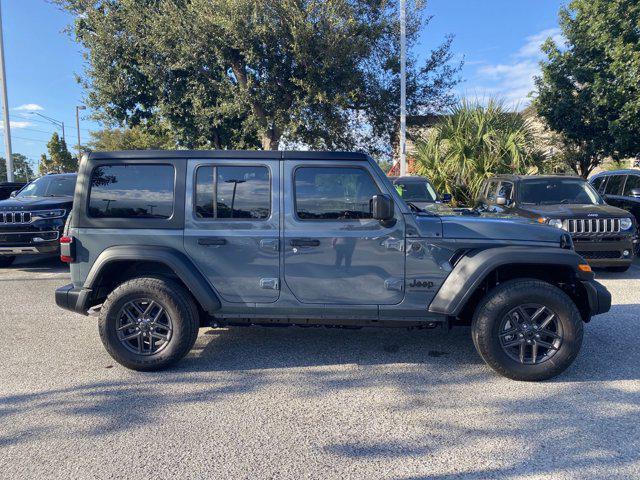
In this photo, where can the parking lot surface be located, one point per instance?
(308, 403)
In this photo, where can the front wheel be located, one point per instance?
(148, 323)
(527, 330)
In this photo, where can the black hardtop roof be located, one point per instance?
(513, 177)
(624, 171)
(238, 154)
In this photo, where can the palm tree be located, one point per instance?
(474, 142)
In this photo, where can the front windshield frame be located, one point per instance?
(591, 192)
(42, 187)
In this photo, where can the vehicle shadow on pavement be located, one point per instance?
(34, 264)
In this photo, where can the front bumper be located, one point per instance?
(599, 298)
(28, 243)
(602, 252)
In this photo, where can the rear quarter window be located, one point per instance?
(132, 191)
(614, 185)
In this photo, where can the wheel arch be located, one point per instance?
(479, 271)
(124, 262)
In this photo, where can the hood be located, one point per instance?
(35, 203)
(563, 211)
(488, 226)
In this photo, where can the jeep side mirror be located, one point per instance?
(501, 201)
(13, 194)
(382, 207)
(446, 198)
(635, 192)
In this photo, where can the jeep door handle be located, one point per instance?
(212, 241)
(304, 242)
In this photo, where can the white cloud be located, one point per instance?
(16, 124)
(29, 107)
(513, 81)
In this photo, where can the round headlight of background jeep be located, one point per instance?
(625, 223)
(555, 222)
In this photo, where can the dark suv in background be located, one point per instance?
(602, 234)
(31, 221)
(620, 188)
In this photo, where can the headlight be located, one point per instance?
(45, 214)
(555, 222)
(625, 223)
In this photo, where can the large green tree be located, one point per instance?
(59, 159)
(589, 89)
(134, 138)
(474, 142)
(22, 170)
(252, 73)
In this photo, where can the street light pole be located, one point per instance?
(403, 87)
(78, 108)
(5, 106)
(52, 120)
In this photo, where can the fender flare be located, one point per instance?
(177, 261)
(473, 268)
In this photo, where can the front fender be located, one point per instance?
(473, 268)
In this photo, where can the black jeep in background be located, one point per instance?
(602, 234)
(32, 220)
(621, 188)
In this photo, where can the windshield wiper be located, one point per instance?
(414, 207)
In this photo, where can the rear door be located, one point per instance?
(232, 227)
(334, 252)
(613, 190)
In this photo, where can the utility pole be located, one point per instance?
(403, 87)
(78, 108)
(5, 106)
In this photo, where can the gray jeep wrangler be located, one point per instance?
(162, 243)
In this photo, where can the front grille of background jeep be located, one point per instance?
(600, 255)
(15, 217)
(591, 225)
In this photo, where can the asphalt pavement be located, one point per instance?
(300, 403)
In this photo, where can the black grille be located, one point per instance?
(600, 255)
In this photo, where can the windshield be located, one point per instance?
(50, 186)
(416, 191)
(548, 192)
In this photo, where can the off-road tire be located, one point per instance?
(499, 301)
(6, 261)
(177, 302)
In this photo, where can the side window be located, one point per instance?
(505, 190)
(598, 183)
(633, 182)
(333, 193)
(233, 192)
(491, 191)
(132, 191)
(614, 185)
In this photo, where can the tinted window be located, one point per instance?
(614, 185)
(132, 191)
(239, 192)
(633, 182)
(598, 183)
(549, 192)
(326, 193)
(50, 186)
(417, 191)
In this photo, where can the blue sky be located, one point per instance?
(498, 39)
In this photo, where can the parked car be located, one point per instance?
(601, 233)
(417, 190)
(7, 188)
(621, 188)
(162, 243)
(32, 220)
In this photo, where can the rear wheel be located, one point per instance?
(527, 330)
(148, 323)
(6, 261)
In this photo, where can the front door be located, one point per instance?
(232, 227)
(334, 252)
